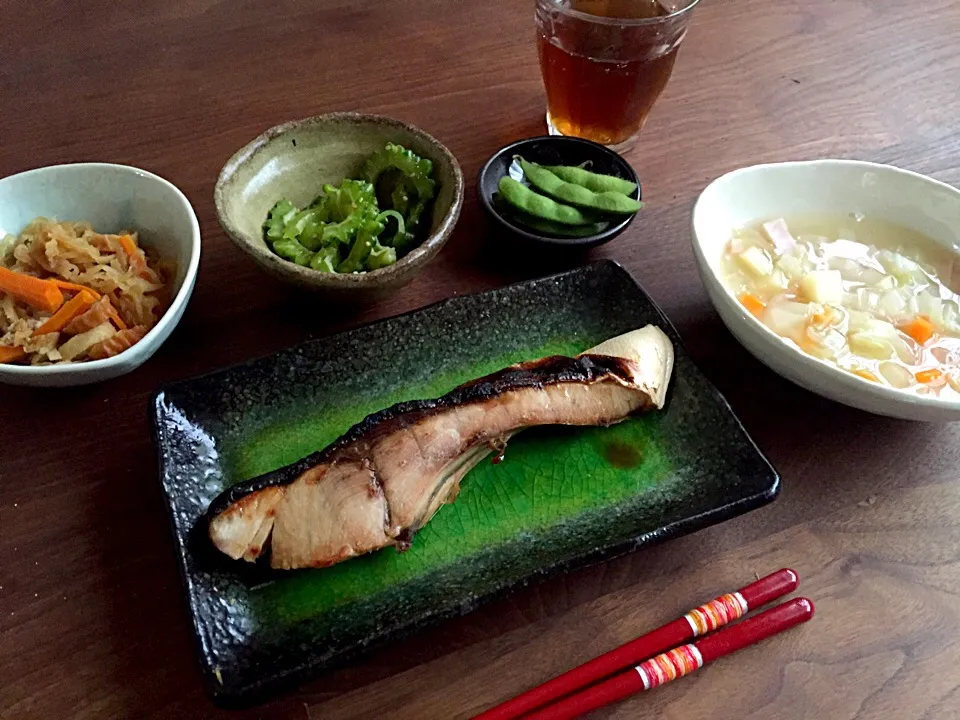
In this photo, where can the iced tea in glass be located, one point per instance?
(605, 63)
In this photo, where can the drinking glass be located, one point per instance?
(605, 63)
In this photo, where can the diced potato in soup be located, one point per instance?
(756, 261)
(870, 297)
(822, 286)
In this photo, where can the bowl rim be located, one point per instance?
(588, 240)
(814, 365)
(423, 252)
(180, 299)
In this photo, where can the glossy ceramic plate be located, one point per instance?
(562, 497)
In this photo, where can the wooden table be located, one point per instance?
(92, 618)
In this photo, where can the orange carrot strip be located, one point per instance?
(137, 258)
(98, 314)
(866, 375)
(129, 246)
(41, 294)
(752, 303)
(117, 320)
(78, 304)
(64, 285)
(920, 329)
(9, 354)
(928, 376)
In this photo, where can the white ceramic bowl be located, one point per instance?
(111, 197)
(764, 192)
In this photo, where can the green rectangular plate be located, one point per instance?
(562, 498)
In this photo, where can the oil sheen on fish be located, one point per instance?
(386, 477)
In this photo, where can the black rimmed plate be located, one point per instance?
(555, 150)
(562, 497)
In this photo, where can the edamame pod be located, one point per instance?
(523, 198)
(547, 182)
(592, 181)
(546, 227)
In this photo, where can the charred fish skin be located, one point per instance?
(537, 374)
(384, 479)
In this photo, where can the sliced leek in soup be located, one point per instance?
(874, 299)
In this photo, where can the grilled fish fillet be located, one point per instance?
(385, 478)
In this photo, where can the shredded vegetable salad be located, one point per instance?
(69, 293)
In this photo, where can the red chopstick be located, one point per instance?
(680, 661)
(714, 614)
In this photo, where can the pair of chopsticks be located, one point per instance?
(575, 693)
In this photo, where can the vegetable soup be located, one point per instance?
(873, 298)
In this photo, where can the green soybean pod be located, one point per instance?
(597, 182)
(546, 227)
(608, 202)
(523, 198)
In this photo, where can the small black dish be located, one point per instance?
(555, 150)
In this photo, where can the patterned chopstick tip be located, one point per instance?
(669, 666)
(715, 613)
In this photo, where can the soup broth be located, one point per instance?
(873, 298)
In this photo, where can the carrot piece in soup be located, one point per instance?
(920, 329)
(753, 304)
(929, 376)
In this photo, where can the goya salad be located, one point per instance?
(361, 224)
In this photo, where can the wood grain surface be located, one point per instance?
(93, 622)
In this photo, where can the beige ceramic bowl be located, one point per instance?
(295, 159)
